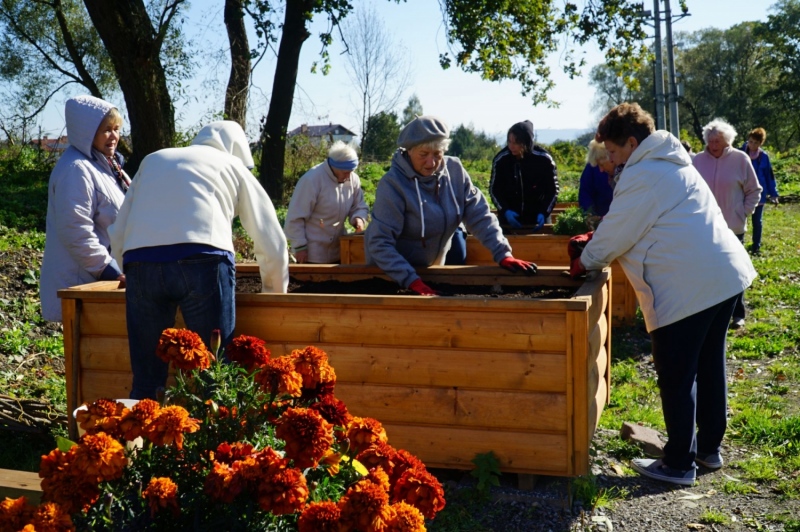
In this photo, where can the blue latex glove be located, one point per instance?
(539, 222)
(513, 219)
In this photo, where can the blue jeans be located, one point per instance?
(689, 356)
(758, 226)
(203, 286)
(457, 254)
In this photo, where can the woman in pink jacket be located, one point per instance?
(733, 181)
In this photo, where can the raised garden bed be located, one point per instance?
(542, 248)
(449, 377)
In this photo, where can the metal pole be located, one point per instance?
(674, 122)
(659, 69)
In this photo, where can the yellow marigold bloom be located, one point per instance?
(312, 364)
(161, 493)
(405, 518)
(169, 426)
(184, 349)
(364, 432)
(307, 435)
(319, 517)
(248, 351)
(50, 517)
(102, 415)
(364, 507)
(421, 489)
(283, 493)
(134, 420)
(278, 376)
(331, 462)
(14, 514)
(99, 457)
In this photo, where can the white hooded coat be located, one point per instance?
(670, 236)
(192, 194)
(82, 202)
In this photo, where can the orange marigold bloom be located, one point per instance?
(421, 489)
(284, 493)
(378, 476)
(364, 432)
(99, 457)
(331, 461)
(169, 426)
(312, 364)
(259, 467)
(229, 453)
(102, 415)
(65, 484)
(134, 420)
(405, 518)
(364, 507)
(319, 517)
(333, 410)
(184, 349)
(14, 514)
(308, 437)
(278, 376)
(403, 461)
(50, 517)
(248, 351)
(221, 484)
(380, 454)
(161, 493)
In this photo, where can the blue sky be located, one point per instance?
(417, 26)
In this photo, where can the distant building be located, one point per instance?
(330, 133)
(55, 146)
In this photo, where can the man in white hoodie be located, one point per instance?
(173, 236)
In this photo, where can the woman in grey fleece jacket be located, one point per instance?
(420, 202)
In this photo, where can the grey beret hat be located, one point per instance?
(423, 129)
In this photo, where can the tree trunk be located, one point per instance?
(132, 43)
(239, 81)
(273, 136)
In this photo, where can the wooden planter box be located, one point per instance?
(543, 249)
(449, 377)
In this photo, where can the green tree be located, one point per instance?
(613, 88)
(381, 140)
(412, 109)
(471, 145)
(238, 88)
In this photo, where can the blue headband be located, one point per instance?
(344, 165)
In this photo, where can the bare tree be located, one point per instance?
(378, 67)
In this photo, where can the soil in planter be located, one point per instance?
(383, 287)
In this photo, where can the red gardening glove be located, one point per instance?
(422, 289)
(576, 268)
(577, 243)
(515, 265)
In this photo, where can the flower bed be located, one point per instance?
(449, 377)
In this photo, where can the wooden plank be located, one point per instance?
(104, 318)
(577, 352)
(450, 448)
(70, 316)
(105, 353)
(597, 338)
(109, 384)
(596, 408)
(15, 484)
(457, 407)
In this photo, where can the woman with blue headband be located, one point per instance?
(323, 199)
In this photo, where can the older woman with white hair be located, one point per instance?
(421, 201)
(595, 191)
(732, 179)
(323, 199)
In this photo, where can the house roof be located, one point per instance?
(321, 131)
(47, 144)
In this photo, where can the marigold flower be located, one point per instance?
(259, 467)
(161, 493)
(421, 489)
(169, 426)
(333, 410)
(405, 518)
(319, 517)
(364, 507)
(14, 514)
(64, 484)
(229, 453)
(221, 484)
(248, 351)
(364, 432)
(134, 420)
(50, 517)
(284, 493)
(308, 437)
(99, 457)
(312, 364)
(403, 461)
(378, 476)
(278, 376)
(184, 349)
(380, 454)
(102, 415)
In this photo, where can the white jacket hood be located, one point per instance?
(227, 136)
(660, 145)
(83, 115)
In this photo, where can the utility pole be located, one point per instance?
(659, 69)
(674, 122)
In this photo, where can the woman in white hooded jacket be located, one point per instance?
(687, 269)
(86, 189)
